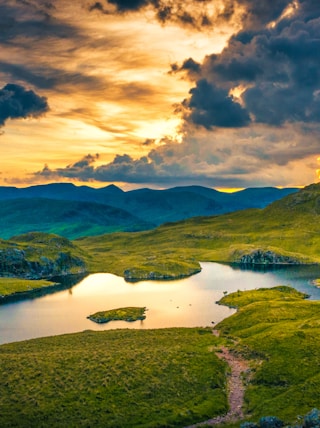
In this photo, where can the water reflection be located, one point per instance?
(189, 302)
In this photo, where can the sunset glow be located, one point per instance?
(222, 94)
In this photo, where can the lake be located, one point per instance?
(189, 302)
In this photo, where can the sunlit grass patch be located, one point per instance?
(120, 378)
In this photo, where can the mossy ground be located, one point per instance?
(279, 331)
(117, 378)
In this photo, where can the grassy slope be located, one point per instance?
(37, 244)
(280, 331)
(168, 377)
(123, 378)
(288, 227)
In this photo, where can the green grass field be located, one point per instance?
(117, 378)
(168, 377)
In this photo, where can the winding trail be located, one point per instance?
(236, 388)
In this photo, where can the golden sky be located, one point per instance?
(160, 93)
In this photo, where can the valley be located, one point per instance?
(274, 330)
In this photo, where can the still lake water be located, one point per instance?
(188, 302)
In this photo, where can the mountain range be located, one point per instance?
(75, 211)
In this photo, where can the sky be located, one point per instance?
(160, 93)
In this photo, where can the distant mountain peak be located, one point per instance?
(111, 188)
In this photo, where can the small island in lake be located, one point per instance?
(129, 314)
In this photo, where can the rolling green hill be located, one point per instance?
(70, 219)
(286, 231)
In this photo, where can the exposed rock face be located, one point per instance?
(13, 262)
(259, 257)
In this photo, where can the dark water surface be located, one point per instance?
(188, 302)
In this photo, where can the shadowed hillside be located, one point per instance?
(67, 218)
(39, 255)
(149, 207)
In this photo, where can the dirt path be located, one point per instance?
(236, 388)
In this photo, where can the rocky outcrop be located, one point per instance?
(14, 262)
(135, 275)
(259, 257)
(311, 420)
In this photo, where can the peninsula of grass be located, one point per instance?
(278, 330)
(117, 378)
(10, 286)
(129, 314)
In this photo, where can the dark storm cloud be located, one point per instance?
(82, 168)
(278, 68)
(257, 13)
(86, 161)
(122, 168)
(124, 5)
(17, 102)
(189, 66)
(211, 106)
(253, 14)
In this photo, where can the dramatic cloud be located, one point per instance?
(189, 66)
(276, 69)
(211, 106)
(17, 102)
(123, 5)
(197, 14)
(239, 106)
(260, 156)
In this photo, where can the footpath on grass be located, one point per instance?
(236, 388)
